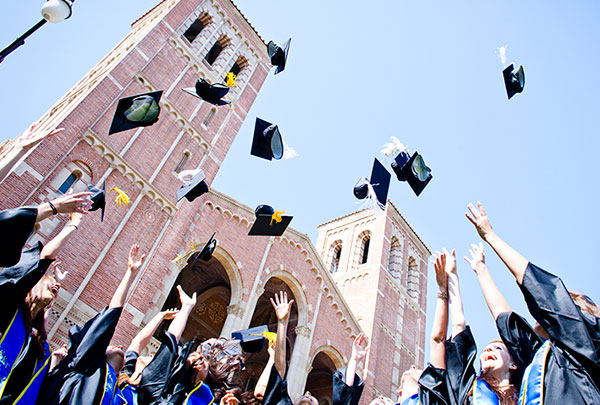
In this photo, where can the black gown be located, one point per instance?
(15, 284)
(433, 387)
(344, 394)
(16, 224)
(80, 376)
(573, 363)
(461, 352)
(276, 392)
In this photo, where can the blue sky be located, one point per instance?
(425, 72)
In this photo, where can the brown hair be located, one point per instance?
(507, 395)
(585, 304)
(36, 325)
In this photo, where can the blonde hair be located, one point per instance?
(585, 304)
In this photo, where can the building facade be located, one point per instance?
(169, 48)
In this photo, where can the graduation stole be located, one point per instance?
(483, 394)
(412, 400)
(11, 345)
(110, 386)
(30, 392)
(201, 395)
(129, 395)
(532, 388)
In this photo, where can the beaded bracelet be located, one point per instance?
(54, 210)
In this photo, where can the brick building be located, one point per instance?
(168, 48)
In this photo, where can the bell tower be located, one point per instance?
(379, 264)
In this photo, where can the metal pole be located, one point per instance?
(20, 41)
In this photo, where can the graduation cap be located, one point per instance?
(136, 111)
(269, 222)
(208, 249)
(413, 170)
(16, 224)
(278, 54)
(267, 142)
(253, 339)
(193, 188)
(211, 93)
(514, 80)
(98, 198)
(379, 183)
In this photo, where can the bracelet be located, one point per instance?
(73, 225)
(54, 210)
(443, 295)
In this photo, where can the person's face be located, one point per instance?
(496, 360)
(382, 401)
(409, 383)
(116, 357)
(306, 399)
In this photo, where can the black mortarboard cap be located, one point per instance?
(251, 339)
(208, 249)
(16, 224)
(211, 93)
(267, 142)
(380, 180)
(193, 188)
(414, 171)
(278, 54)
(265, 225)
(514, 80)
(136, 111)
(98, 198)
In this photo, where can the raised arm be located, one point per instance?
(187, 305)
(141, 340)
(133, 265)
(440, 320)
(359, 352)
(454, 298)
(493, 297)
(50, 251)
(65, 204)
(263, 380)
(282, 311)
(515, 262)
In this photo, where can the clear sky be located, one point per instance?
(423, 71)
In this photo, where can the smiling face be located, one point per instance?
(496, 361)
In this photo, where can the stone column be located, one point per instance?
(299, 362)
(233, 322)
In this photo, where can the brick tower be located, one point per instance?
(380, 265)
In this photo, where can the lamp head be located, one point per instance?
(57, 10)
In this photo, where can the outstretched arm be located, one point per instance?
(263, 380)
(187, 305)
(440, 319)
(282, 310)
(454, 298)
(358, 354)
(141, 340)
(493, 297)
(515, 262)
(133, 265)
(50, 251)
(65, 204)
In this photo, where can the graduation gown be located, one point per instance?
(276, 392)
(461, 352)
(15, 284)
(433, 387)
(343, 394)
(82, 376)
(572, 368)
(16, 224)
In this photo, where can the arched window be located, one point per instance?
(365, 250)
(412, 279)
(69, 181)
(362, 249)
(216, 49)
(395, 259)
(197, 26)
(336, 255)
(238, 65)
(209, 117)
(181, 164)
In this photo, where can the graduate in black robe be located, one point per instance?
(572, 358)
(347, 387)
(88, 373)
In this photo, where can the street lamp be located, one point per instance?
(53, 11)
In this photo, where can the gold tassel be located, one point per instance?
(276, 217)
(230, 82)
(270, 336)
(121, 198)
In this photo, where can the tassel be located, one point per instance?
(121, 198)
(276, 217)
(270, 336)
(371, 201)
(230, 82)
(391, 148)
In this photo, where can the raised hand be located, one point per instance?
(477, 260)
(282, 306)
(480, 220)
(30, 137)
(134, 262)
(59, 276)
(68, 203)
(169, 314)
(359, 347)
(439, 264)
(185, 299)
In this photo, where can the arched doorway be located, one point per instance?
(320, 377)
(265, 315)
(213, 288)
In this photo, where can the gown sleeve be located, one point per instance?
(131, 357)
(276, 391)
(433, 387)
(551, 305)
(155, 377)
(16, 224)
(461, 351)
(344, 394)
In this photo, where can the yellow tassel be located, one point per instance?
(177, 259)
(121, 197)
(270, 336)
(276, 217)
(230, 82)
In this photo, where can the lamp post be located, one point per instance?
(53, 11)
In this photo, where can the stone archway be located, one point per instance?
(319, 380)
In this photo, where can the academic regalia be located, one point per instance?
(344, 394)
(571, 365)
(84, 376)
(276, 392)
(16, 224)
(433, 387)
(20, 359)
(128, 393)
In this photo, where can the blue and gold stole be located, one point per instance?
(200, 395)
(129, 395)
(110, 386)
(483, 394)
(532, 388)
(30, 392)
(412, 400)
(11, 345)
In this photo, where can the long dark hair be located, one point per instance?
(36, 326)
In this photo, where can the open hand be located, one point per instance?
(31, 137)
(480, 220)
(59, 276)
(134, 262)
(185, 299)
(68, 203)
(439, 264)
(359, 351)
(282, 306)
(477, 260)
